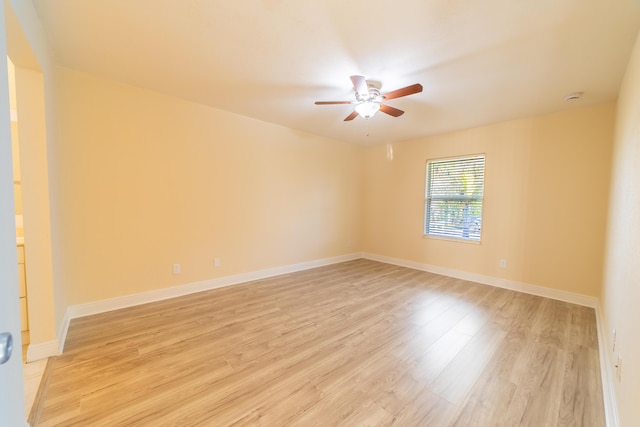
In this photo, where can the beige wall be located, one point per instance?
(148, 180)
(546, 192)
(621, 294)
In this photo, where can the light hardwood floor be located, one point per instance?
(357, 344)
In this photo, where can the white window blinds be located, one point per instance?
(453, 199)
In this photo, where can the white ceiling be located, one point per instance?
(479, 61)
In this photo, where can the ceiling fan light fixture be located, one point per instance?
(367, 109)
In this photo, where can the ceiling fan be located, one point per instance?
(369, 99)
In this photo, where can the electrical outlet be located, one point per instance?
(216, 262)
(503, 263)
(613, 340)
(176, 268)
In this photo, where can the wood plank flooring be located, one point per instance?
(354, 344)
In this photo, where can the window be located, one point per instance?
(453, 198)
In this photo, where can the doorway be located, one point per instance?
(31, 199)
(17, 192)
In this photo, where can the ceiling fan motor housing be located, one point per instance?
(373, 94)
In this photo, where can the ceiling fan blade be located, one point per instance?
(391, 110)
(333, 102)
(351, 116)
(360, 85)
(409, 90)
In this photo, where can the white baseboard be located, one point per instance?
(62, 331)
(609, 397)
(42, 350)
(49, 348)
(102, 306)
(541, 291)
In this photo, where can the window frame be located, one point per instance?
(427, 199)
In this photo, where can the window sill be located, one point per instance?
(452, 239)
